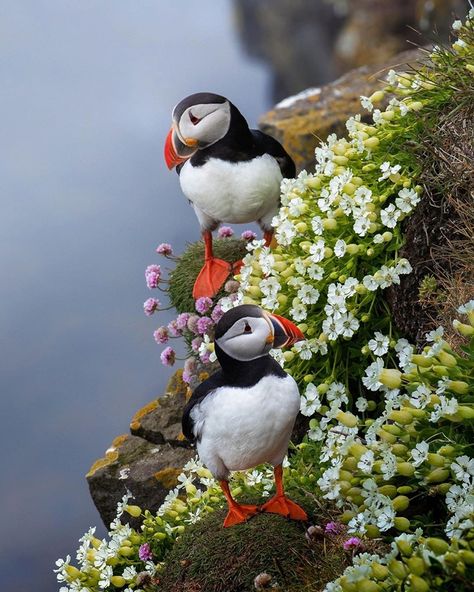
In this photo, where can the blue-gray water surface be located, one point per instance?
(85, 99)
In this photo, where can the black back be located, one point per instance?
(233, 374)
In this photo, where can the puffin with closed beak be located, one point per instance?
(243, 415)
(228, 172)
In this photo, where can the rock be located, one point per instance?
(300, 122)
(146, 463)
(160, 420)
(145, 469)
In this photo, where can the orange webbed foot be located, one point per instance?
(280, 504)
(239, 513)
(211, 277)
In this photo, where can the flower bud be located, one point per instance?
(401, 503)
(346, 585)
(401, 523)
(437, 545)
(416, 565)
(422, 361)
(447, 359)
(379, 571)
(346, 516)
(372, 531)
(447, 450)
(397, 568)
(401, 417)
(329, 224)
(118, 581)
(126, 551)
(347, 419)
(134, 511)
(357, 450)
(436, 459)
(399, 449)
(371, 143)
(386, 436)
(366, 585)
(405, 469)
(458, 386)
(467, 556)
(437, 475)
(418, 584)
(377, 96)
(72, 572)
(463, 329)
(390, 377)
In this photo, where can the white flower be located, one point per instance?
(347, 324)
(456, 26)
(366, 103)
(379, 345)
(407, 200)
(404, 352)
(392, 77)
(377, 117)
(340, 248)
(362, 404)
(389, 464)
(317, 251)
(303, 348)
(337, 392)
(315, 272)
(435, 335)
(207, 348)
(372, 373)
(419, 453)
(420, 397)
(390, 216)
(285, 233)
(387, 276)
(388, 170)
(329, 483)
(466, 308)
(105, 574)
(336, 308)
(403, 266)
(298, 312)
(330, 328)
(463, 468)
(366, 462)
(317, 225)
(61, 571)
(129, 573)
(370, 283)
(361, 225)
(308, 294)
(310, 402)
(296, 207)
(443, 408)
(378, 239)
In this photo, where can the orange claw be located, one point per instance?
(280, 504)
(237, 513)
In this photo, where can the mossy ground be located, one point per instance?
(209, 557)
(184, 275)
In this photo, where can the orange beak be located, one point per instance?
(177, 151)
(285, 333)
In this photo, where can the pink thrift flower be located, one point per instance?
(352, 543)
(204, 325)
(168, 356)
(196, 343)
(161, 335)
(144, 552)
(217, 313)
(150, 306)
(192, 323)
(189, 370)
(333, 528)
(231, 286)
(182, 321)
(203, 304)
(152, 276)
(164, 249)
(205, 357)
(173, 328)
(225, 232)
(248, 235)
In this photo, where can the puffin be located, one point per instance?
(229, 173)
(243, 414)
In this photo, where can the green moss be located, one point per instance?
(209, 557)
(184, 275)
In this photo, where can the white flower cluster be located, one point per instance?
(460, 497)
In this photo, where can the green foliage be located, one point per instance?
(183, 276)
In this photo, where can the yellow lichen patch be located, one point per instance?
(175, 384)
(116, 443)
(189, 392)
(181, 437)
(102, 462)
(145, 410)
(168, 477)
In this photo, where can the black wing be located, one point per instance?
(205, 388)
(269, 145)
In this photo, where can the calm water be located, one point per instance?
(85, 98)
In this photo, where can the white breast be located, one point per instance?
(235, 192)
(240, 428)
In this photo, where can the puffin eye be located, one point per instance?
(247, 328)
(194, 120)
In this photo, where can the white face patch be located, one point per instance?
(248, 338)
(207, 123)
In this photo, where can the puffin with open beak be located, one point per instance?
(243, 415)
(228, 172)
